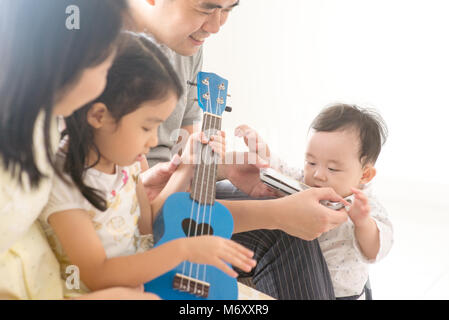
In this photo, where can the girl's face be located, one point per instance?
(122, 143)
(89, 86)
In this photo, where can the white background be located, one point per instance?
(287, 59)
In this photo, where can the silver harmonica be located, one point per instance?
(288, 186)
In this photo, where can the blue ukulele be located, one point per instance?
(187, 215)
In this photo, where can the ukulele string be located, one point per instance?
(213, 158)
(190, 222)
(203, 205)
(208, 109)
(195, 190)
(209, 158)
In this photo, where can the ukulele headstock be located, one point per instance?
(212, 93)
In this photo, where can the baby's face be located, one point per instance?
(332, 160)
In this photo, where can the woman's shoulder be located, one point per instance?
(13, 181)
(13, 192)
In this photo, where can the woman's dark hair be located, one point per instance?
(40, 60)
(140, 73)
(368, 123)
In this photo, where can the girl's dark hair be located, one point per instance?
(140, 73)
(369, 124)
(40, 60)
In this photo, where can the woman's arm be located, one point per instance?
(19, 208)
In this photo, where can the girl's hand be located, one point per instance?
(217, 144)
(215, 251)
(155, 178)
(359, 212)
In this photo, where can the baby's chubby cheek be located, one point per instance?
(345, 190)
(344, 193)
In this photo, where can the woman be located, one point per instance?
(48, 70)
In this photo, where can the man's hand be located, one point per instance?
(155, 179)
(302, 215)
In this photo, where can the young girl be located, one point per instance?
(96, 228)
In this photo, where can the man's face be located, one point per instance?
(184, 25)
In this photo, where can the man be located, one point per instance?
(288, 267)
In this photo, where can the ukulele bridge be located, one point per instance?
(191, 285)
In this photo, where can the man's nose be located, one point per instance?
(213, 23)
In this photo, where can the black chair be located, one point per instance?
(368, 291)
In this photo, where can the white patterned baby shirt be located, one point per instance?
(348, 267)
(116, 227)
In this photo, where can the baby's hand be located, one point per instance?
(216, 142)
(253, 141)
(360, 210)
(213, 250)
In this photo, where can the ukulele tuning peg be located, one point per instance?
(228, 109)
(191, 83)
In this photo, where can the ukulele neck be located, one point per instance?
(203, 184)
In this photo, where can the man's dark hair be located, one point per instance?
(368, 123)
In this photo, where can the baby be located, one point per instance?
(342, 149)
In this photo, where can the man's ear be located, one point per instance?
(369, 172)
(97, 114)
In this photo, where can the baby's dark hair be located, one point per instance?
(368, 123)
(140, 73)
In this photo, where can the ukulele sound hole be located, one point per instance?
(191, 228)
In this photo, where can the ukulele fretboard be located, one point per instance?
(203, 184)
